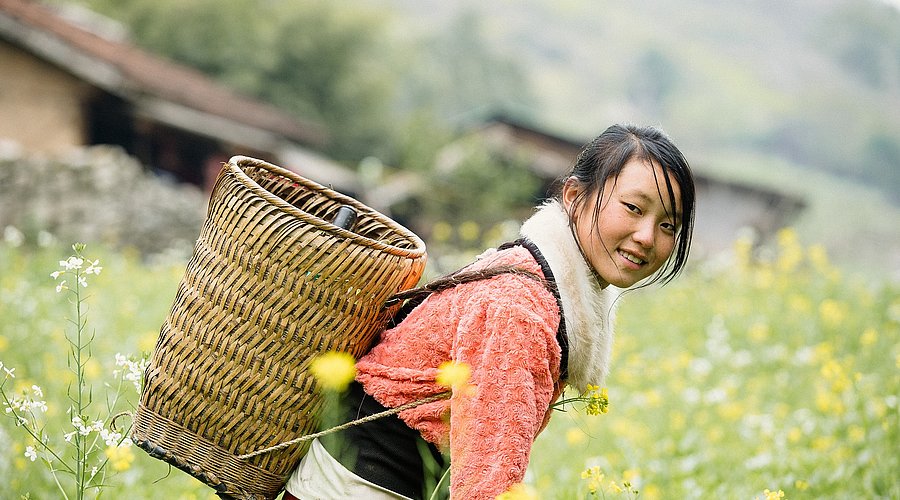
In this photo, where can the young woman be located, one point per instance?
(623, 216)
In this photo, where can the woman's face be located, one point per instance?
(634, 232)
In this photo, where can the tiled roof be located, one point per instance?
(134, 74)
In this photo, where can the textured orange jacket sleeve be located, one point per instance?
(504, 328)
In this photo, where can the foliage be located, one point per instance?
(775, 372)
(312, 59)
(473, 187)
(83, 452)
(344, 66)
(92, 446)
(807, 81)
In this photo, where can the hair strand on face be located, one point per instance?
(604, 158)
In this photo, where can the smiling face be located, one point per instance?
(633, 234)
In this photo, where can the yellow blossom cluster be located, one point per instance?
(779, 366)
(334, 370)
(519, 491)
(454, 375)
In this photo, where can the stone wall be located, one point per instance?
(99, 195)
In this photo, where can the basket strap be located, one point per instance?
(386, 413)
(550, 280)
(458, 278)
(413, 297)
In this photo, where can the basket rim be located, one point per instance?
(235, 163)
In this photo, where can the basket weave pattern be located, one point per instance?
(269, 286)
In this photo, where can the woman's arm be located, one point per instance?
(512, 350)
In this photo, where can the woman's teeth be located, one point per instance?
(631, 258)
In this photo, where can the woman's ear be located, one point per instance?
(570, 191)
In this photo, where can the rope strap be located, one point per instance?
(310, 437)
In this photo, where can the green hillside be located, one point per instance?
(801, 96)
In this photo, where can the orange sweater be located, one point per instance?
(504, 328)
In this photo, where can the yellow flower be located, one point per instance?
(334, 370)
(453, 375)
(575, 436)
(147, 341)
(832, 312)
(653, 398)
(92, 369)
(773, 495)
(677, 420)
(856, 433)
(518, 491)
(743, 252)
(819, 258)
(469, 230)
(651, 492)
(758, 332)
(790, 250)
(597, 400)
(869, 337)
(441, 231)
(594, 477)
(120, 457)
(799, 303)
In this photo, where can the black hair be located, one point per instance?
(604, 158)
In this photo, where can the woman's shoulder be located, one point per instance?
(513, 257)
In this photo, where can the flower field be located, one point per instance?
(766, 377)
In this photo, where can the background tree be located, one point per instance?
(313, 59)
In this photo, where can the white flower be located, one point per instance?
(68, 436)
(93, 268)
(134, 370)
(111, 438)
(13, 237)
(37, 391)
(10, 372)
(71, 263)
(45, 239)
(82, 282)
(31, 453)
(56, 274)
(61, 286)
(80, 427)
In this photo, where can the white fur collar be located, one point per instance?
(588, 310)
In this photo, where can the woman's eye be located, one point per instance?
(668, 227)
(632, 208)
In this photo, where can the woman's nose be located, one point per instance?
(645, 234)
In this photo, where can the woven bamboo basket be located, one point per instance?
(270, 285)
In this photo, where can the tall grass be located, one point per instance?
(777, 373)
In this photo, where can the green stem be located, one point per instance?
(81, 461)
(30, 431)
(437, 487)
(58, 484)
